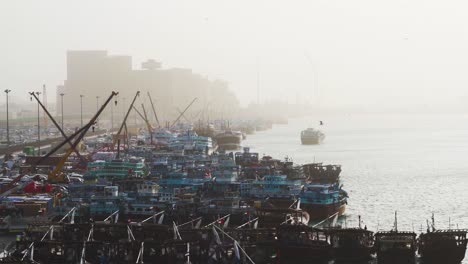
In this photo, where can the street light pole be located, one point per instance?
(62, 94)
(7, 119)
(38, 127)
(81, 110)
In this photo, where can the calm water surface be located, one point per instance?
(414, 164)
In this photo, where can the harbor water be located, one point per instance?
(413, 164)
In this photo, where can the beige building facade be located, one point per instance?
(96, 73)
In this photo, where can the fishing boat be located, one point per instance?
(229, 139)
(246, 158)
(352, 244)
(115, 169)
(163, 136)
(191, 142)
(294, 172)
(277, 189)
(179, 179)
(323, 200)
(205, 131)
(312, 136)
(322, 174)
(303, 244)
(160, 167)
(255, 171)
(224, 174)
(272, 217)
(231, 204)
(395, 246)
(442, 245)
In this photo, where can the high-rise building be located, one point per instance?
(95, 73)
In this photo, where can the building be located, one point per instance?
(95, 74)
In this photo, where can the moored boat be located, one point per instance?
(303, 244)
(229, 140)
(442, 245)
(395, 246)
(352, 244)
(323, 200)
(319, 173)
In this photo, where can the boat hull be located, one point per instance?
(303, 254)
(320, 211)
(229, 139)
(311, 140)
(346, 255)
(443, 255)
(403, 256)
(229, 146)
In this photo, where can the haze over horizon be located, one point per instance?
(331, 53)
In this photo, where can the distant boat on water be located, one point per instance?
(229, 140)
(312, 136)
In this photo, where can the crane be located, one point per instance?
(56, 124)
(56, 175)
(145, 118)
(117, 135)
(150, 127)
(183, 112)
(154, 110)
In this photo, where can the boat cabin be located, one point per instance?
(395, 246)
(447, 246)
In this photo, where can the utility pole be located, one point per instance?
(62, 94)
(38, 127)
(81, 109)
(7, 119)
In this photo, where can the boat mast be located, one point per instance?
(433, 223)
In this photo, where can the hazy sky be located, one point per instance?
(356, 52)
